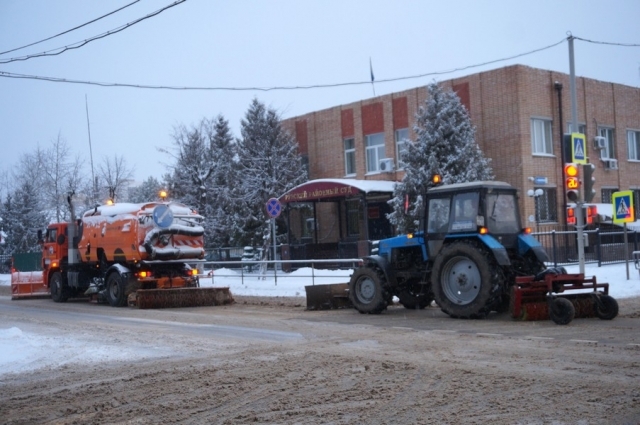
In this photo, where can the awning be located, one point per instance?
(323, 189)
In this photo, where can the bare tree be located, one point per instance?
(116, 175)
(61, 174)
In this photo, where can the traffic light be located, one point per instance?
(571, 216)
(572, 182)
(588, 180)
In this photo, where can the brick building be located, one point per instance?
(520, 114)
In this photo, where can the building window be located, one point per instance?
(608, 152)
(546, 206)
(402, 140)
(375, 151)
(541, 141)
(607, 194)
(633, 145)
(353, 218)
(349, 157)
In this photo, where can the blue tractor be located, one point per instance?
(466, 256)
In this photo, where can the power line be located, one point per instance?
(608, 43)
(315, 86)
(79, 44)
(68, 31)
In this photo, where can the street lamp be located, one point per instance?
(535, 194)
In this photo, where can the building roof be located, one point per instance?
(314, 190)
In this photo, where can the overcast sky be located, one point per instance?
(240, 44)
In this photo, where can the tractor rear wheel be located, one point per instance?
(606, 307)
(464, 281)
(58, 288)
(367, 292)
(561, 311)
(116, 290)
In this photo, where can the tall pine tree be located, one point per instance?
(445, 144)
(219, 220)
(267, 165)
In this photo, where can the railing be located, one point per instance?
(273, 269)
(602, 247)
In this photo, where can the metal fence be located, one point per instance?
(602, 246)
(278, 269)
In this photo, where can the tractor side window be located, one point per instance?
(439, 209)
(502, 213)
(465, 211)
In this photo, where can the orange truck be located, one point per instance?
(136, 254)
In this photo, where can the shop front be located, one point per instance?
(335, 218)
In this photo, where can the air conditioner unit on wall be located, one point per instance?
(386, 165)
(600, 142)
(611, 164)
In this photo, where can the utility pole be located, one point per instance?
(574, 128)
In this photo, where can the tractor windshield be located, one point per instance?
(502, 212)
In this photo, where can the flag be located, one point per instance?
(371, 70)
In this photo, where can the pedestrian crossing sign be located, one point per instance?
(623, 211)
(578, 148)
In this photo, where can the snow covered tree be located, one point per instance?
(219, 223)
(192, 169)
(148, 191)
(267, 164)
(23, 217)
(445, 144)
(201, 175)
(62, 175)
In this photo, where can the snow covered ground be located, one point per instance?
(21, 350)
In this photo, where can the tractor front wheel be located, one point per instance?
(366, 291)
(116, 290)
(464, 281)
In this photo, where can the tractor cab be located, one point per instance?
(470, 210)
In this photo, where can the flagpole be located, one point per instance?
(372, 77)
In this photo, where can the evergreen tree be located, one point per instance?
(267, 165)
(148, 191)
(192, 169)
(23, 217)
(219, 225)
(445, 144)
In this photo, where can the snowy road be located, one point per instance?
(270, 361)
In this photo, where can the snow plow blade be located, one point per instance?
(328, 297)
(180, 297)
(544, 298)
(28, 285)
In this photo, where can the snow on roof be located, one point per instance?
(365, 186)
(336, 188)
(121, 208)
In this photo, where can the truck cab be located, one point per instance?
(55, 248)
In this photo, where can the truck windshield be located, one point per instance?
(502, 213)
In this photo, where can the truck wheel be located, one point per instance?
(561, 311)
(464, 280)
(116, 290)
(606, 307)
(366, 291)
(59, 290)
(414, 297)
